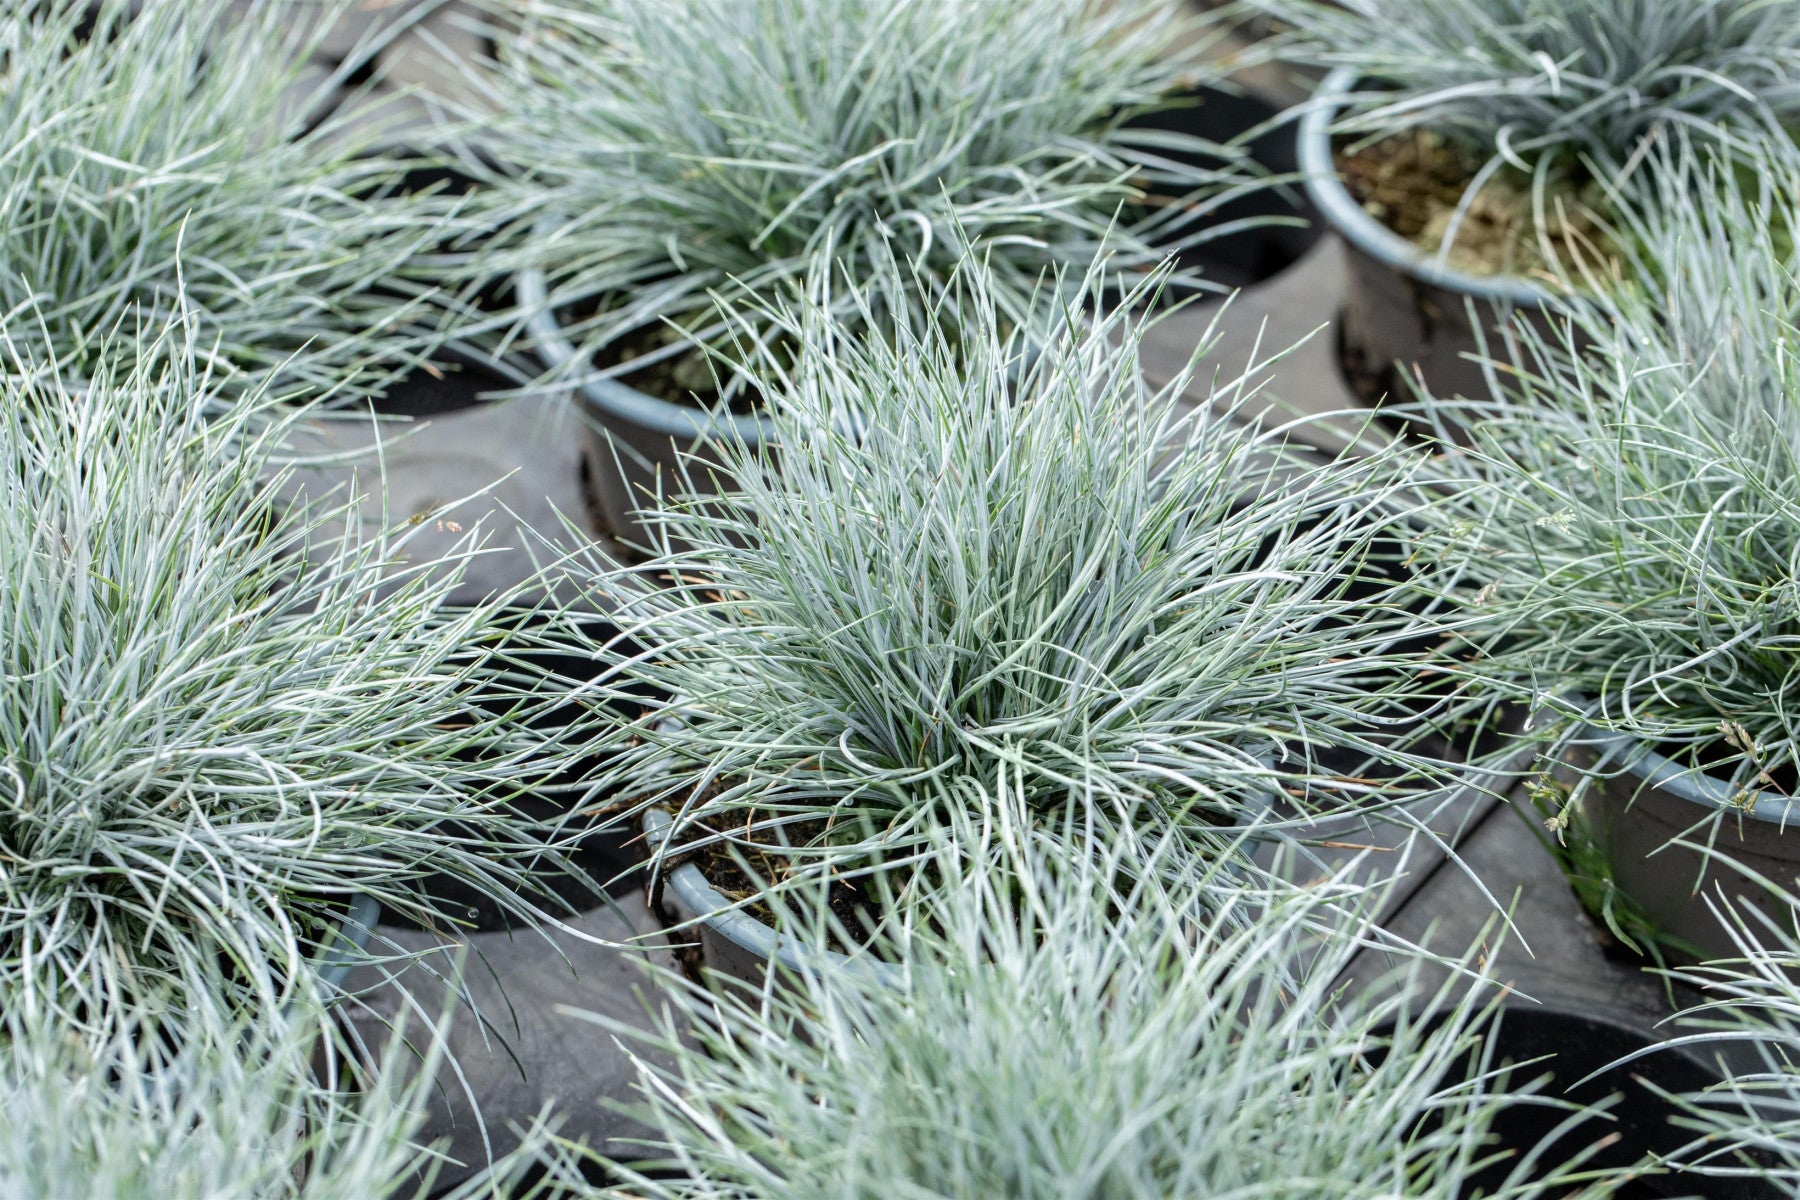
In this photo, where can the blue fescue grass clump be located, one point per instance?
(1054, 1034)
(1625, 512)
(220, 721)
(180, 158)
(989, 559)
(664, 152)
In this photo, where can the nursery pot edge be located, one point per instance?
(1405, 316)
(618, 402)
(350, 937)
(1646, 799)
(1364, 232)
(635, 441)
(734, 943)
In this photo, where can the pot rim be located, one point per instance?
(1333, 200)
(1686, 783)
(718, 914)
(618, 401)
(350, 941)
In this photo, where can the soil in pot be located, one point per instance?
(1400, 304)
(688, 377)
(849, 900)
(1414, 182)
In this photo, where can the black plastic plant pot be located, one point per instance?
(1640, 803)
(739, 946)
(733, 943)
(605, 856)
(637, 443)
(1404, 311)
(1276, 223)
(460, 376)
(1581, 1055)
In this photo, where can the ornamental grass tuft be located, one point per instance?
(988, 558)
(1625, 515)
(1535, 83)
(1054, 1036)
(173, 158)
(182, 1100)
(218, 726)
(1561, 98)
(664, 152)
